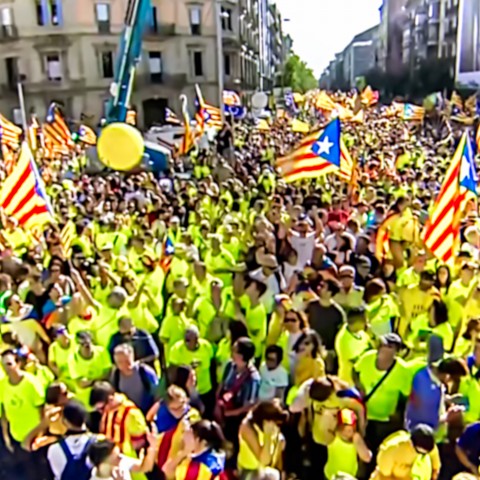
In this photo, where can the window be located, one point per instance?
(102, 13)
(6, 17)
(54, 68)
(154, 20)
(196, 20)
(106, 59)
(226, 19)
(155, 65)
(227, 64)
(56, 11)
(11, 68)
(197, 64)
(42, 13)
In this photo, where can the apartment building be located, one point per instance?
(65, 50)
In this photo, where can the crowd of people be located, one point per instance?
(218, 322)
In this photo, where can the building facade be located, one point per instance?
(355, 60)
(65, 50)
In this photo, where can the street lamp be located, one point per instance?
(219, 15)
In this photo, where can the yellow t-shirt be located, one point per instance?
(256, 320)
(94, 368)
(200, 360)
(173, 330)
(383, 402)
(349, 347)
(21, 405)
(105, 323)
(60, 356)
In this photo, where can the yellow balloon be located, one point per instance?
(120, 146)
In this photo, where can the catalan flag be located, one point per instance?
(369, 97)
(9, 133)
(207, 115)
(167, 254)
(87, 135)
(313, 160)
(413, 113)
(67, 236)
(171, 117)
(231, 98)
(34, 131)
(209, 465)
(456, 103)
(442, 231)
(188, 140)
(58, 137)
(23, 195)
(346, 163)
(324, 102)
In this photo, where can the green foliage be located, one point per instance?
(298, 76)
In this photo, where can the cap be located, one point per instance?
(107, 246)
(469, 266)
(391, 340)
(346, 271)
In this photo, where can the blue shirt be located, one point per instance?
(469, 442)
(425, 400)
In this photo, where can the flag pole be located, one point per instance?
(23, 112)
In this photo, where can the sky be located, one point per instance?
(321, 28)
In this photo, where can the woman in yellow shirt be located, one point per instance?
(308, 362)
(260, 440)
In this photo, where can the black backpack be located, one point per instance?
(77, 466)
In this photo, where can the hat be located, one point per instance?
(346, 271)
(391, 340)
(469, 266)
(107, 246)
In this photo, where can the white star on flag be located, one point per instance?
(324, 146)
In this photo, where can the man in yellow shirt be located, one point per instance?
(351, 342)
(408, 456)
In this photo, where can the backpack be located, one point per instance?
(77, 466)
(142, 371)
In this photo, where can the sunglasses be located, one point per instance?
(290, 320)
(271, 359)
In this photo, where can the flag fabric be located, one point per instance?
(34, 130)
(471, 105)
(131, 117)
(324, 102)
(209, 465)
(313, 160)
(442, 231)
(87, 135)
(369, 97)
(23, 195)
(67, 235)
(413, 113)
(262, 125)
(58, 138)
(188, 140)
(477, 138)
(9, 133)
(456, 103)
(359, 117)
(346, 163)
(231, 98)
(167, 254)
(207, 115)
(298, 126)
(171, 117)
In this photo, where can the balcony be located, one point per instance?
(161, 30)
(43, 86)
(169, 80)
(8, 33)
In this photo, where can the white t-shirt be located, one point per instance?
(56, 457)
(275, 284)
(304, 247)
(270, 380)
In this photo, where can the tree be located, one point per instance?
(298, 75)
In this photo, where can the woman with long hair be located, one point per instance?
(203, 444)
(260, 441)
(308, 362)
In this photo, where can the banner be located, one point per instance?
(468, 44)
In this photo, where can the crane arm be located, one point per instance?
(129, 55)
